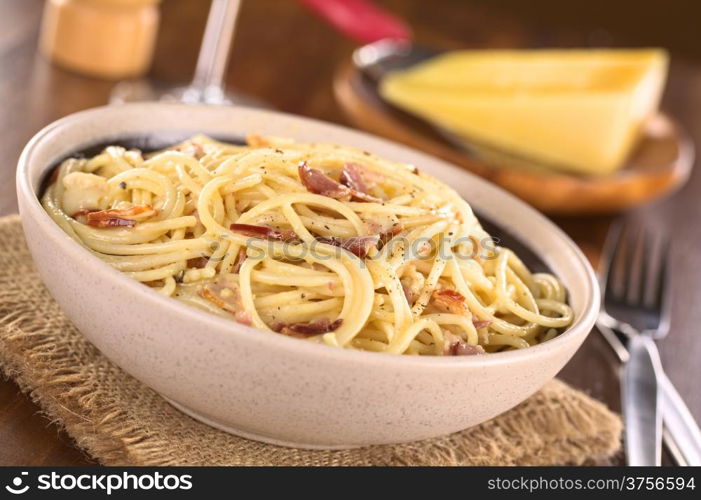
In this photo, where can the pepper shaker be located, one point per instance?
(112, 39)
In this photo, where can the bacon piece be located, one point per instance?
(359, 179)
(119, 217)
(197, 262)
(352, 176)
(385, 229)
(191, 148)
(111, 222)
(480, 323)
(449, 301)
(240, 258)
(388, 235)
(357, 245)
(225, 294)
(453, 345)
(303, 330)
(360, 196)
(464, 349)
(319, 183)
(264, 232)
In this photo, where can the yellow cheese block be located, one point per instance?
(577, 110)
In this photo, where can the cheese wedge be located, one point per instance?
(576, 110)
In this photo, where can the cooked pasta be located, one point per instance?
(318, 241)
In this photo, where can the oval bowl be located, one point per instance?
(267, 386)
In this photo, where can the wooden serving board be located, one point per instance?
(660, 164)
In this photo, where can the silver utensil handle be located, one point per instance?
(641, 403)
(681, 435)
(680, 422)
(216, 45)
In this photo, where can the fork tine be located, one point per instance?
(659, 285)
(629, 267)
(634, 278)
(646, 249)
(626, 270)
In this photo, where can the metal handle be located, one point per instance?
(680, 422)
(681, 434)
(208, 82)
(641, 403)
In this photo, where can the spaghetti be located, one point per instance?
(317, 241)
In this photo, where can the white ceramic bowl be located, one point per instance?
(267, 386)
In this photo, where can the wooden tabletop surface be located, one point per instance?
(286, 57)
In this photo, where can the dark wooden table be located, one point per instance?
(287, 58)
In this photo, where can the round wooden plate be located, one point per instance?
(660, 164)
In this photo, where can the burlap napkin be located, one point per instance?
(120, 421)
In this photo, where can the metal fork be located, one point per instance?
(636, 303)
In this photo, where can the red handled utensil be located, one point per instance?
(360, 20)
(387, 39)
